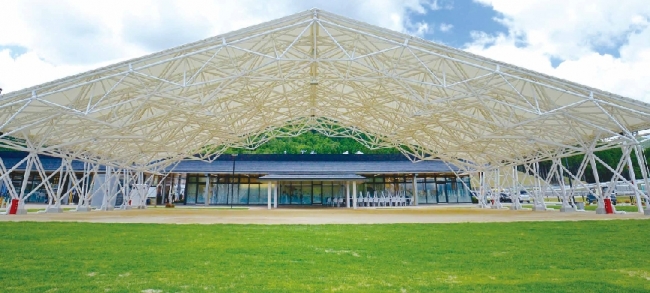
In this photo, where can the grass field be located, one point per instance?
(586, 256)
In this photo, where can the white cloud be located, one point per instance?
(69, 36)
(441, 4)
(574, 32)
(446, 27)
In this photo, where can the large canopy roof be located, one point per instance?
(313, 70)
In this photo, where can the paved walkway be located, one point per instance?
(260, 215)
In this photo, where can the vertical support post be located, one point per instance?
(538, 200)
(599, 191)
(126, 202)
(630, 168)
(143, 190)
(57, 207)
(482, 200)
(644, 173)
(268, 194)
(354, 191)
(347, 194)
(28, 170)
(415, 190)
(496, 197)
(516, 203)
(275, 194)
(207, 189)
(82, 206)
(566, 207)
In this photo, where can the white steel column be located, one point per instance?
(275, 195)
(630, 168)
(347, 194)
(599, 191)
(354, 191)
(496, 196)
(21, 202)
(57, 208)
(538, 200)
(482, 196)
(126, 201)
(207, 189)
(516, 203)
(644, 172)
(566, 207)
(268, 190)
(415, 190)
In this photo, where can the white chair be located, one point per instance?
(328, 202)
(376, 200)
(338, 202)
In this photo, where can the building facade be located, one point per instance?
(300, 180)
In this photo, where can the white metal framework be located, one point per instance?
(319, 71)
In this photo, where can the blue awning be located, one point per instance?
(312, 177)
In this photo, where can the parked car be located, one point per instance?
(591, 198)
(524, 196)
(504, 197)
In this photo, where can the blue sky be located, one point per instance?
(465, 16)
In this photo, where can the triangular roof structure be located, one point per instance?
(313, 70)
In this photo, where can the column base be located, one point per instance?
(126, 208)
(601, 211)
(84, 209)
(515, 207)
(567, 209)
(646, 212)
(109, 208)
(539, 208)
(20, 211)
(142, 207)
(494, 207)
(54, 210)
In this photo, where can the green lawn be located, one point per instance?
(586, 256)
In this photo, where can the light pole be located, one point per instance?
(232, 185)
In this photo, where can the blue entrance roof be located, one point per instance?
(314, 164)
(276, 164)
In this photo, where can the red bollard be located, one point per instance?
(14, 207)
(608, 206)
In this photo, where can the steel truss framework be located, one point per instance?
(319, 71)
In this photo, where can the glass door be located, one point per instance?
(317, 192)
(440, 190)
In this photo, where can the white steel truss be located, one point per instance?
(319, 71)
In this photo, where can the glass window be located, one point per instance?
(450, 185)
(327, 191)
(200, 193)
(317, 192)
(242, 195)
(255, 195)
(431, 192)
(191, 193)
(440, 190)
(296, 191)
(306, 192)
(285, 192)
(223, 190)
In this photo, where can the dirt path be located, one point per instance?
(316, 216)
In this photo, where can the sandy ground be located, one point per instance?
(258, 215)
